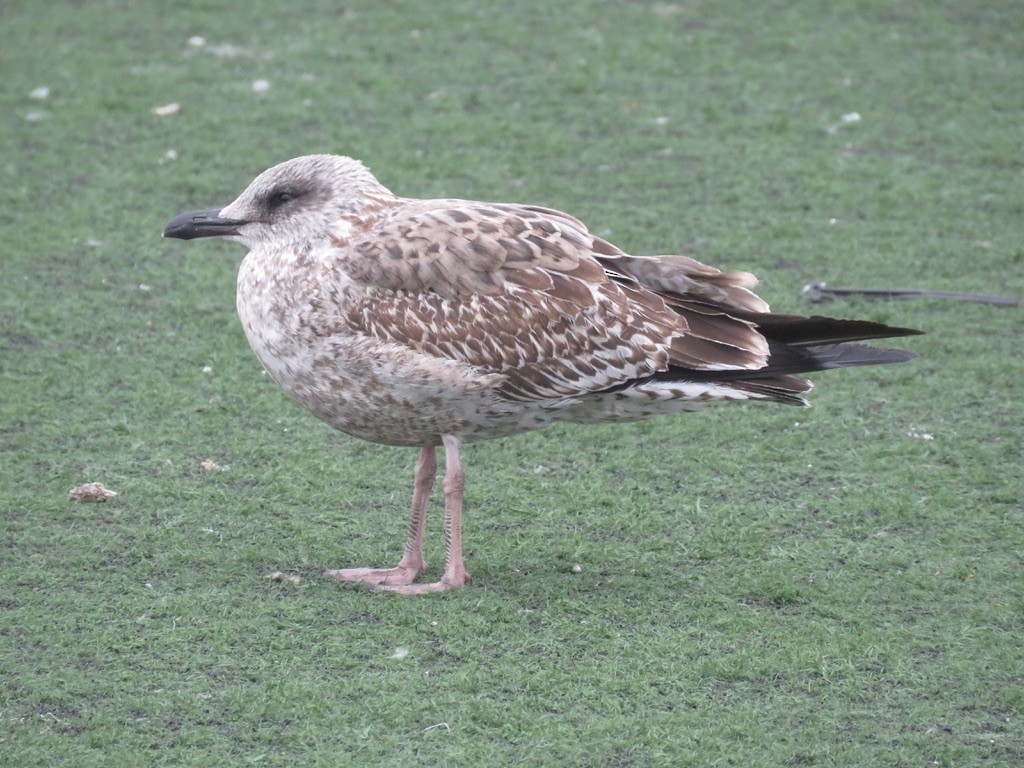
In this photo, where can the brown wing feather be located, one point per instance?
(529, 293)
(543, 343)
(459, 248)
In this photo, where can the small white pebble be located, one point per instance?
(39, 94)
(259, 86)
(166, 110)
(169, 155)
(833, 221)
(848, 119)
(197, 41)
(144, 288)
(207, 369)
(661, 120)
(576, 568)
(400, 653)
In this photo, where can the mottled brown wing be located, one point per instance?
(459, 248)
(519, 290)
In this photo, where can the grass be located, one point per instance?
(757, 586)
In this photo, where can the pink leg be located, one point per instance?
(454, 571)
(412, 564)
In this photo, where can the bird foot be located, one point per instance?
(443, 585)
(379, 577)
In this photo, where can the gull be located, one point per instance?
(428, 323)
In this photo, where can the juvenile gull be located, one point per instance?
(432, 323)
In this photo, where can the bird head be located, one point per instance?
(300, 199)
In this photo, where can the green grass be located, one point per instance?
(758, 585)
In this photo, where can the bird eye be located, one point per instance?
(279, 197)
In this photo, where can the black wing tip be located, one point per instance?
(853, 329)
(821, 329)
(893, 332)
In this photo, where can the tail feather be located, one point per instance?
(799, 345)
(733, 339)
(785, 360)
(805, 344)
(844, 355)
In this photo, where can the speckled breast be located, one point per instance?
(371, 388)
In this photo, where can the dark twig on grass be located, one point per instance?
(819, 291)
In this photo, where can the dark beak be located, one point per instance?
(201, 224)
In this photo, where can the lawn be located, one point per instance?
(749, 586)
